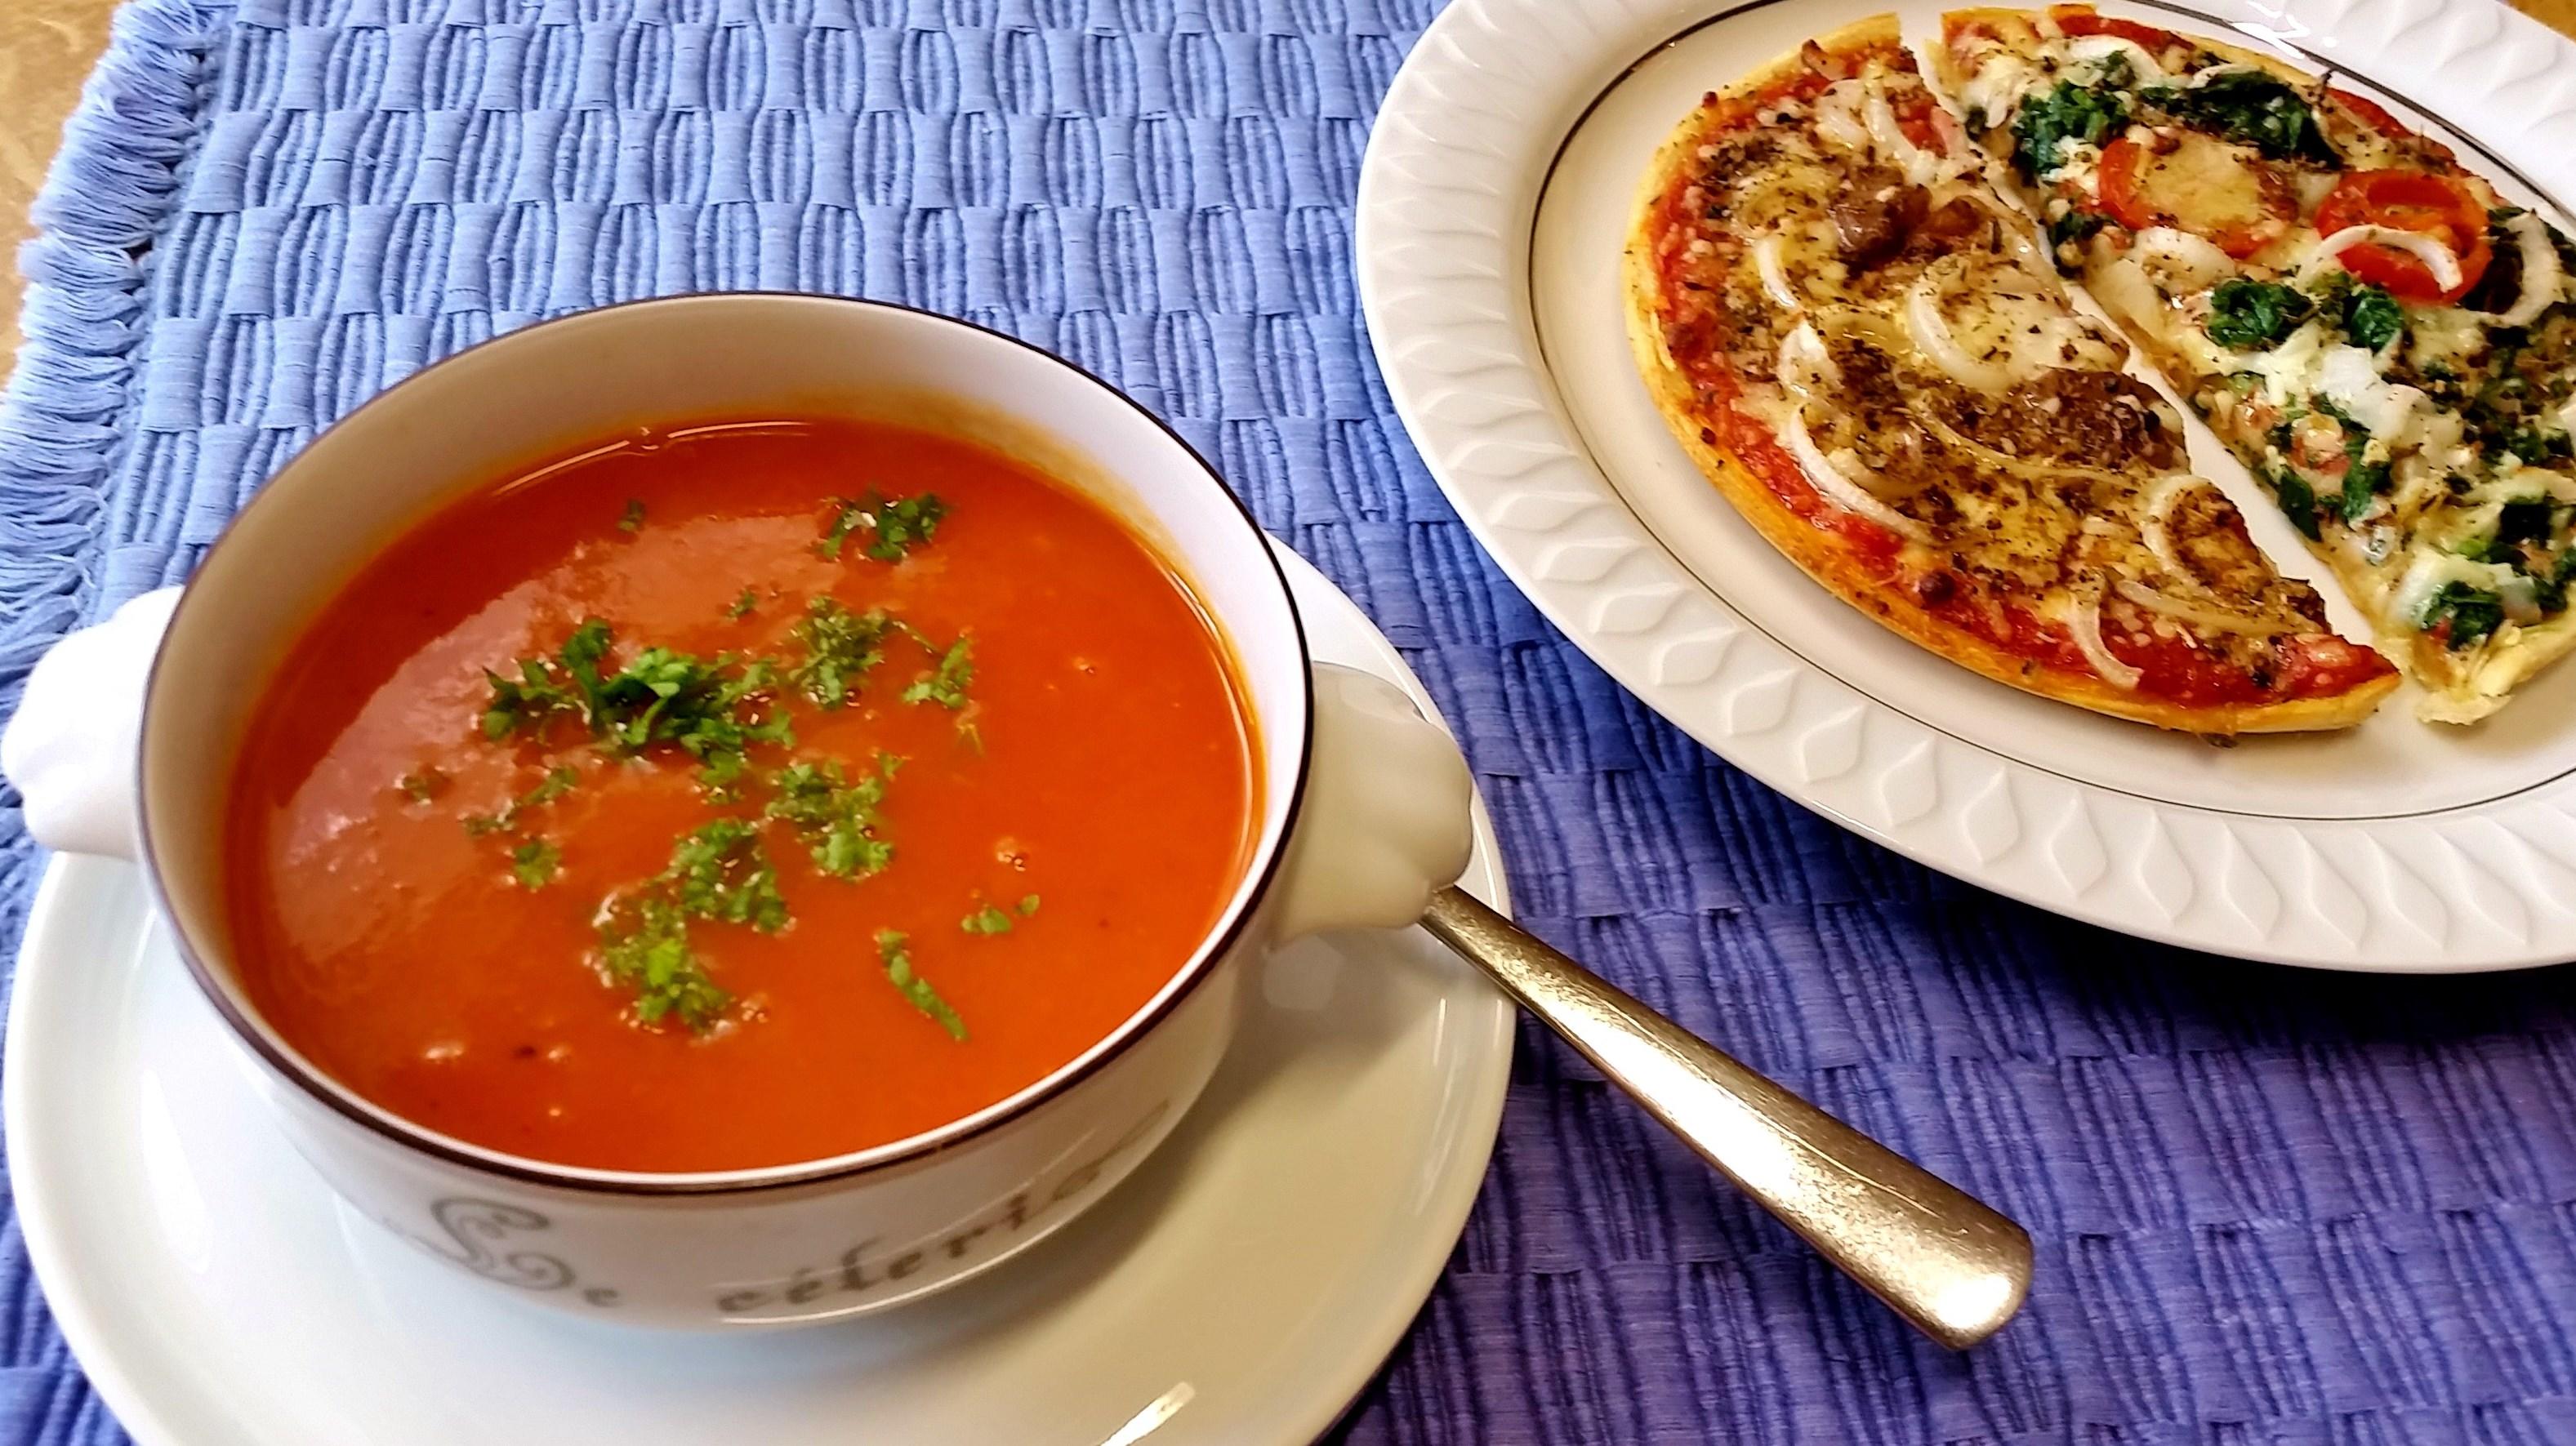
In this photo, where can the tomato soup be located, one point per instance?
(736, 795)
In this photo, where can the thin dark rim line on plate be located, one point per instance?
(2329, 71)
(291, 1065)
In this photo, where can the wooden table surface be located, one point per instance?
(46, 47)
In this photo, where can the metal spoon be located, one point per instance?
(1938, 1256)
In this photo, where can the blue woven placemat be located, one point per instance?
(2270, 1206)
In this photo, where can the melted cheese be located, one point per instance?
(1996, 87)
(2079, 164)
(2443, 336)
(1987, 323)
(2349, 377)
(2287, 371)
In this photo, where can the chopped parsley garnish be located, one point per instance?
(2471, 612)
(717, 872)
(900, 524)
(2250, 106)
(654, 959)
(721, 872)
(661, 696)
(834, 816)
(2069, 114)
(840, 648)
(2245, 315)
(558, 781)
(715, 709)
(535, 862)
(655, 697)
(898, 969)
(714, 732)
(422, 786)
(547, 687)
(945, 684)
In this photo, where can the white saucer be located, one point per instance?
(1242, 1287)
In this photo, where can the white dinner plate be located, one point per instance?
(1499, 181)
(1240, 1288)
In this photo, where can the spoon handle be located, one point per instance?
(1942, 1259)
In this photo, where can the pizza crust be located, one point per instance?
(1820, 556)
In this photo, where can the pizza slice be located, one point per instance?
(2386, 342)
(1863, 347)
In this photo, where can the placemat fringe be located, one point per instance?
(112, 187)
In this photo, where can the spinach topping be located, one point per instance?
(2552, 589)
(2371, 317)
(2367, 315)
(2072, 229)
(2539, 447)
(2362, 484)
(2069, 113)
(2298, 500)
(2519, 522)
(2249, 106)
(2472, 612)
(2497, 287)
(2245, 315)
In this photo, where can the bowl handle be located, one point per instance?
(1388, 815)
(74, 743)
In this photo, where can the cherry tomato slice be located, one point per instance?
(2235, 198)
(2418, 201)
(2081, 20)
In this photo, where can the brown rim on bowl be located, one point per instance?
(291, 1064)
